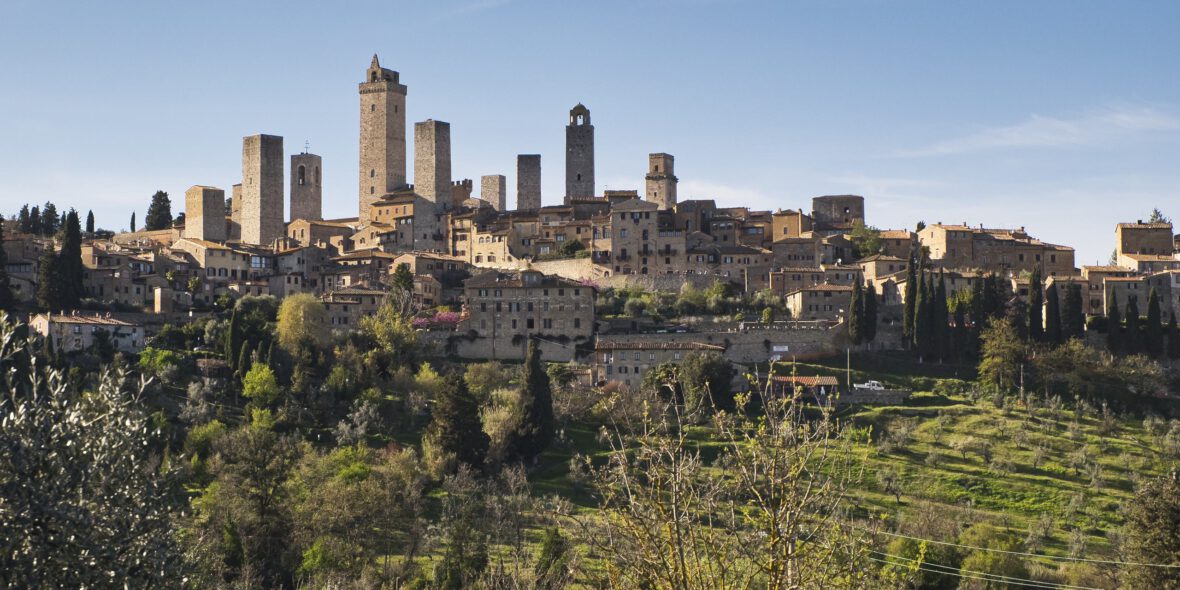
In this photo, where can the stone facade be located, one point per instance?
(505, 309)
(494, 189)
(528, 181)
(307, 188)
(579, 154)
(838, 211)
(262, 189)
(204, 213)
(432, 160)
(73, 333)
(1144, 238)
(235, 215)
(382, 135)
(661, 180)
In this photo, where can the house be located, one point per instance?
(75, 332)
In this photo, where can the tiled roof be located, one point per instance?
(93, 320)
(653, 344)
(1145, 226)
(807, 381)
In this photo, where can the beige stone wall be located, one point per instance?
(307, 192)
(661, 180)
(204, 213)
(528, 181)
(494, 189)
(235, 219)
(432, 160)
(262, 189)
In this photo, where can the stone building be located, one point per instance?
(579, 154)
(1144, 238)
(627, 359)
(788, 225)
(347, 306)
(661, 180)
(997, 250)
(432, 161)
(307, 189)
(820, 302)
(837, 212)
(1094, 286)
(382, 135)
(505, 309)
(528, 181)
(235, 212)
(262, 189)
(493, 188)
(73, 332)
(204, 214)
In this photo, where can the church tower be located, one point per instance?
(383, 135)
(661, 182)
(579, 154)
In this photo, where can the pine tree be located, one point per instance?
(455, 426)
(1173, 338)
(90, 222)
(132, 229)
(1036, 308)
(403, 278)
(35, 220)
(942, 340)
(911, 302)
(1114, 326)
(1073, 319)
(70, 264)
(233, 340)
(50, 220)
(1052, 316)
(48, 287)
(1132, 337)
(870, 313)
(6, 295)
(24, 225)
(1153, 335)
(922, 328)
(159, 213)
(535, 425)
(856, 315)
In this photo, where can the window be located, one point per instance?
(530, 324)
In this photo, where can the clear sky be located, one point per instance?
(1061, 116)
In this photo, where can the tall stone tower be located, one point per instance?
(262, 189)
(235, 215)
(383, 135)
(579, 154)
(204, 214)
(307, 189)
(432, 161)
(493, 188)
(661, 181)
(528, 181)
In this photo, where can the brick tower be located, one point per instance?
(383, 135)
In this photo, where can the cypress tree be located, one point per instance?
(1073, 319)
(911, 303)
(922, 327)
(35, 220)
(90, 222)
(6, 296)
(159, 213)
(455, 424)
(1114, 326)
(856, 315)
(1153, 334)
(1036, 308)
(976, 311)
(233, 340)
(1052, 316)
(50, 220)
(1173, 338)
(959, 334)
(535, 426)
(48, 286)
(70, 269)
(244, 357)
(1132, 337)
(132, 221)
(870, 313)
(942, 334)
(23, 223)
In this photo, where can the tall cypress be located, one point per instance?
(911, 302)
(233, 340)
(1132, 337)
(1114, 326)
(959, 335)
(50, 219)
(1153, 333)
(535, 426)
(870, 313)
(6, 296)
(132, 222)
(856, 315)
(71, 268)
(90, 222)
(922, 327)
(35, 220)
(942, 336)
(455, 425)
(48, 284)
(1173, 338)
(1036, 303)
(23, 224)
(1073, 319)
(1052, 316)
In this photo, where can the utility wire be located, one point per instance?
(974, 575)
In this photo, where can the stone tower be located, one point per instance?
(579, 154)
(383, 135)
(235, 216)
(494, 189)
(204, 214)
(528, 181)
(307, 189)
(432, 161)
(661, 181)
(262, 189)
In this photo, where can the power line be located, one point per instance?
(975, 575)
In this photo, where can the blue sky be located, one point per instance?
(1063, 117)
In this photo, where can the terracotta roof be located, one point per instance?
(896, 234)
(1145, 226)
(653, 345)
(807, 381)
(824, 287)
(85, 319)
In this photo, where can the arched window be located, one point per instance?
(301, 175)
(372, 77)
(317, 175)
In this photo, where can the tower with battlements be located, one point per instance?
(579, 154)
(383, 135)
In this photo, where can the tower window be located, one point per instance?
(395, 108)
(371, 189)
(372, 108)
(372, 172)
(657, 168)
(302, 176)
(579, 177)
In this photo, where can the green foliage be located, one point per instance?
(866, 240)
(1053, 330)
(159, 213)
(1152, 535)
(993, 562)
(403, 277)
(1036, 304)
(260, 386)
(1132, 335)
(455, 425)
(302, 321)
(856, 315)
(90, 222)
(1114, 326)
(7, 297)
(705, 379)
(157, 363)
(535, 424)
(911, 303)
(1001, 355)
(50, 296)
(1153, 329)
(570, 248)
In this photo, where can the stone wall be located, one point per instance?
(262, 189)
(493, 188)
(661, 180)
(307, 189)
(382, 135)
(432, 160)
(204, 214)
(528, 181)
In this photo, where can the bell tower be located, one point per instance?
(383, 135)
(579, 154)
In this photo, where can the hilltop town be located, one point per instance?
(485, 278)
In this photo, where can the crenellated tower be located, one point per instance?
(383, 135)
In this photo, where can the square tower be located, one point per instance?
(204, 214)
(528, 181)
(235, 212)
(661, 181)
(383, 135)
(494, 189)
(432, 161)
(307, 189)
(262, 189)
(579, 154)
